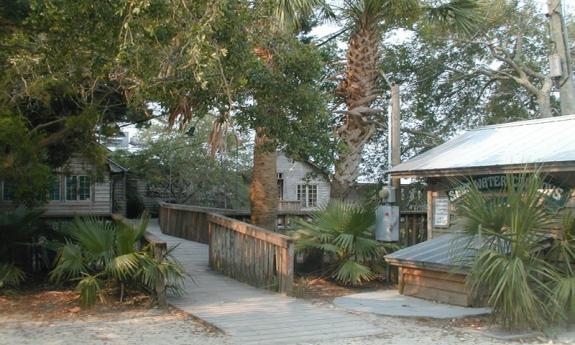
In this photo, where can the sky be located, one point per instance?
(327, 29)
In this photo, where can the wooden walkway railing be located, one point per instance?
(189, 222)
(239, 250)
(251, 254)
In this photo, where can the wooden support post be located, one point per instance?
(400, 280)
(287, 271)
(395, 139)
(429, 214)
(159, 250)
(210, 246)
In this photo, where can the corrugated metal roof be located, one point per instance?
(445, 252)
(540, 141)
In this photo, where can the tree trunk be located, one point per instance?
(347, 166)
(264, 189)
(359, 91)
(544, 98)
(544, 105)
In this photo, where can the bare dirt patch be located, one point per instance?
(320, 288)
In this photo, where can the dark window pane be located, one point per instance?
(71, 187)
(84, 187)
(8, 191)
(55, 190)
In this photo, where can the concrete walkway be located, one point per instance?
(391, 303)
(255, 316)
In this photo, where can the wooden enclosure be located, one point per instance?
(440, 286)
(239, 250)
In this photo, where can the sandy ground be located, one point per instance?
(29, 320)
(156, 327)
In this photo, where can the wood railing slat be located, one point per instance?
(245, 252)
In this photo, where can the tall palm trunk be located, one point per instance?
(264, 189)
(359, 91)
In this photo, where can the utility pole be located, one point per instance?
(561, 48)
(395, 139)
(387, 216)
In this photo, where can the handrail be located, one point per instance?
(242, 251)
(279, 240)
(201, 209)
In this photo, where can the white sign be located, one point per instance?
(441, 212)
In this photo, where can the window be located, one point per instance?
(78, 187)
(307, 195)
(84, 187)
(301, 194)
(55, 190)
(7, 191)
(312, 195)
(280, 186)
(71, 187)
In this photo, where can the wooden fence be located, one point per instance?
(251, 254)
(239, 250)
(189, 222)
(412, 227)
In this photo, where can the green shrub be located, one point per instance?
(529, 282)
(343, 232)
(100, 253)
(20, 229)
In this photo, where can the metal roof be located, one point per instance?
(550, 140)
(115, 167)
(446, 252)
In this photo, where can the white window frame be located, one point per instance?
(305, 193)
(77, 188)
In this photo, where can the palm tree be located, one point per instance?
(263, 188)
(367, 20)
(343, 232)
(100, 253)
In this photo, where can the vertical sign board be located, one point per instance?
(441, 212)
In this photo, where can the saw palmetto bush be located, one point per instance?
(103, 254)
(526, 274)
(20, 230)
(562, 256)
(344, 233)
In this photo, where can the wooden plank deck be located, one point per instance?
(255, 316)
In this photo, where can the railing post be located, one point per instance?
(159, 250)
(210, 253)
(287, 269)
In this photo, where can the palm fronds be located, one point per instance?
(101, 252)
(10, 275)
(291, 13)
(342, 231)
(456, 15)
(528, 283)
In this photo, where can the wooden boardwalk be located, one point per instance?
(255, 316)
